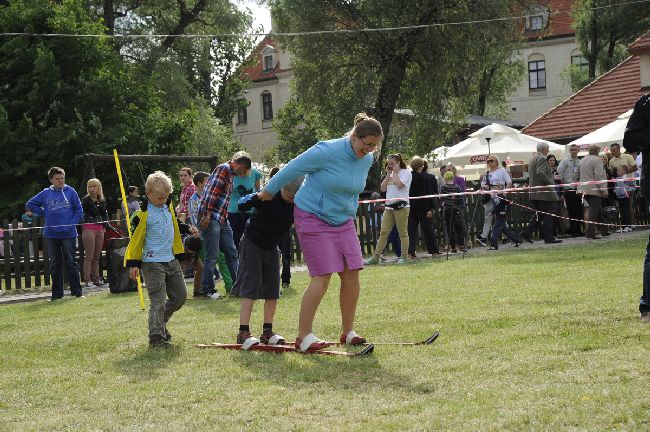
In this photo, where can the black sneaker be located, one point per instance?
(167, 336)
(158, 341)
(481, 240)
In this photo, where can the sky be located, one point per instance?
(261, 14)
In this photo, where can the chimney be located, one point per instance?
(641, 49)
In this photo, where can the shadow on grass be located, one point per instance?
(145, 363)
(336, 373)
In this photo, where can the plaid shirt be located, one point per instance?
(216, 195)
(186, 194)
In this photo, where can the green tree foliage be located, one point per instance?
(604, 28)
(439, 73)
(62, 97)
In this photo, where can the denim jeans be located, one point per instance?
(62, 253)
(217, 237)
(644, 303)
(501, 226)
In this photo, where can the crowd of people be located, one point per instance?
(225, 226)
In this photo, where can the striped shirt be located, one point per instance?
(159, 238)
(454, 201)
(216, 195)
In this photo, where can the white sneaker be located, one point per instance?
(90, 285)
(627, 229)
(214, 296)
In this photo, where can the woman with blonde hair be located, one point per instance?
(92, 232)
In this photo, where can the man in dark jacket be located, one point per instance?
(637, 139)
(421, 213)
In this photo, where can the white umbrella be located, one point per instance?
(502, 141)
(607, 135)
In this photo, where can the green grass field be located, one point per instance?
(544, 339)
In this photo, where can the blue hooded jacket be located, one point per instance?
(334, 177)
(60, 207)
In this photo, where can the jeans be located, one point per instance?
(501, 226)
(62, 253)
(217, 237)
(644, 303)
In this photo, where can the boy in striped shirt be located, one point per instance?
(154, 247)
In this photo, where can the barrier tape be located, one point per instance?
(11, 229)
(525, 189)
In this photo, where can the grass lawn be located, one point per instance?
(544, 339)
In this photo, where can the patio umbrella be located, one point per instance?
(607, 135)
(502, 141)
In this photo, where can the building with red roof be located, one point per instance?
(600, 102)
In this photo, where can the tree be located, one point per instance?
(604, 28)
(435, 72)
(63, 97)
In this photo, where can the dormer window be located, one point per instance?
(268, 63)
(537, 19)
(535, 23)
(268, 58)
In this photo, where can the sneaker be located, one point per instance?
(167, 336)
(89, 285)
(214, 296)
(352, 339)
(286, 285)
(493, 248)
(158, 342)
(481, 240)
(401, 260)
(371, 261)
(270, 338)
(627, 229)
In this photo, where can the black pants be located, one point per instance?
(574, 208)
(284, 244)
(238, 225)
(501, 226)
(417, 219)
(455, 224)
(545, 220)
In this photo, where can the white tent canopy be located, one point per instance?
(607, 135)
(505, 142)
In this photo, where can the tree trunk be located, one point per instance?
(484, 89)
(109, 17)
(593, 46)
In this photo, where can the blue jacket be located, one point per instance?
(334, 177)
(60, 207)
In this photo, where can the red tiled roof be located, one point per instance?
(559, 21)
(255, 72)
(595, 105)
(641, 45)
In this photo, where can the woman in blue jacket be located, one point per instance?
(325, 207)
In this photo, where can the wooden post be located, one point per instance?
(6, 247)
(26, 255)
(18, 274)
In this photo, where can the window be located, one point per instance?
(536, 75)
(242, 115)
(267, 106)
(268, 63)
(579, 60)
(535, 23)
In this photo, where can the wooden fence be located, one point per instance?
(24, 261)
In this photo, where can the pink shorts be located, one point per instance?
(327, 248)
